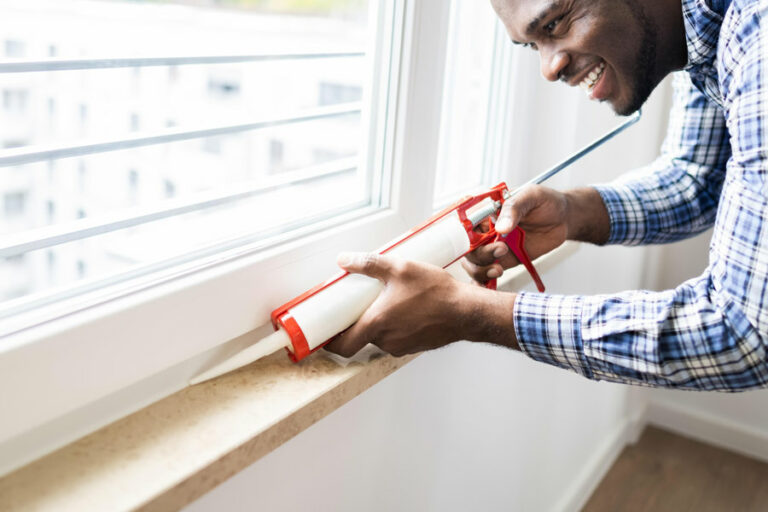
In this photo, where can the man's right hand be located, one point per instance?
(549, 218)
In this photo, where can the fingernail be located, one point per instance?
(504, 223)
(500, 251)
(493, 273)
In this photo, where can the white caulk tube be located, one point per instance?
(333, 309)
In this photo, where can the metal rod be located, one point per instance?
(27, 66)
(86, 228)
(585, 150)
(30, 154)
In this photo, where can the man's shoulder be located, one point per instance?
(742, 17)
(739, 48)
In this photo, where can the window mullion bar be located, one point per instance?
(30, 154)
(86, 228)
(27, 66)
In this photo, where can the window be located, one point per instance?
(477, 49)
(272, 120)
(217, 248)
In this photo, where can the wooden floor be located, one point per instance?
(667, 472)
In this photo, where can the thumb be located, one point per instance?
(370, 264)
(512, 210)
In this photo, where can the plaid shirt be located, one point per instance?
(710, 332)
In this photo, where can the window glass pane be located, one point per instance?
(465, 99)
(277, 176)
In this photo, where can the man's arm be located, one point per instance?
(673, 198)
(677, 195)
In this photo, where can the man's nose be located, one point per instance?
(553, 64)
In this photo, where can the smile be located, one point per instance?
(591, 79)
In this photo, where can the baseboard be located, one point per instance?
(709, 429)
(593, 471)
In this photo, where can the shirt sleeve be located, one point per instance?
(711, 332)
(676, 196)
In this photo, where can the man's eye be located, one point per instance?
(552, 25)
(532, 46)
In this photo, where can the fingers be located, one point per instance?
(481, 264)
(487, 254)
(488, 261)
(505, 222)
(366, 263)
(350, 341)
(482, 273)
(516, 208)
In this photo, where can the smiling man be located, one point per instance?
(710, 332)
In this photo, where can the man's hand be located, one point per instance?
(422, 307)
(548, 218)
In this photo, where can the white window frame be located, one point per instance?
(67, 377)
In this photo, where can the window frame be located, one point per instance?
(134, 348)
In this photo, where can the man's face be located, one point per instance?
(607, 47)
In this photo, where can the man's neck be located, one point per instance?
(673, 50)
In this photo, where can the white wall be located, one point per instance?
(475, 427)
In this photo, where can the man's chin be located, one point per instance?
(625, 107)
(626, 110)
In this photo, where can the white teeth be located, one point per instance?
(591, 79)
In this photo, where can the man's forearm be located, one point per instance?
(489, 316)
(587, 217)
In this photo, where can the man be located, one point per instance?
(709, 333)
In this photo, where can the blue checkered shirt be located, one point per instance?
(711, 332)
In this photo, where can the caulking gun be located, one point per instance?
(306, 323)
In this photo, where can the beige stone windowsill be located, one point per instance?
(174, 451)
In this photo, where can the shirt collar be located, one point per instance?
(702, 20)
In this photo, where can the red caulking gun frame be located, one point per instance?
(308, 322)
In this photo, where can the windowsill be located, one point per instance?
(175, 450)
(172, 452)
